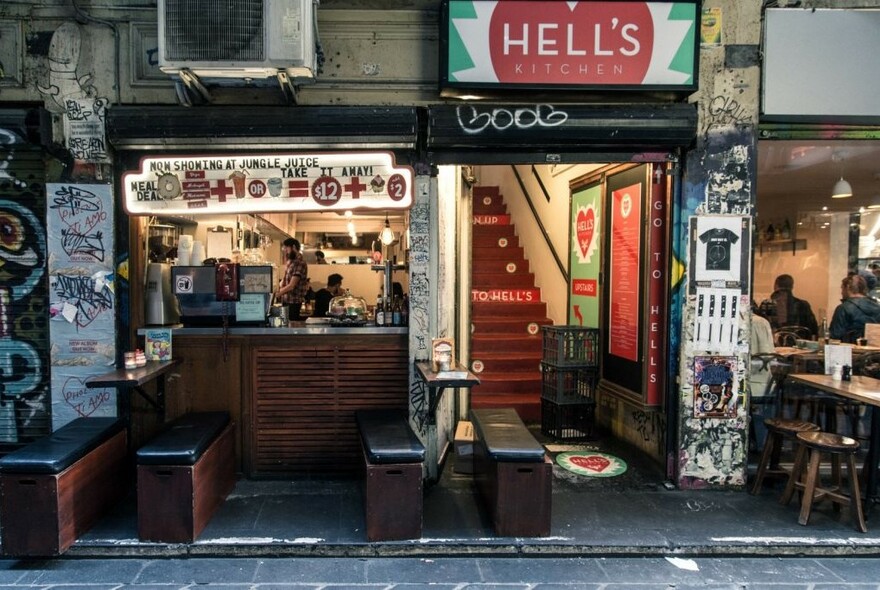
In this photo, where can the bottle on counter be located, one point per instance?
(389, 314)
(396, 313)
(380, 311)
(404, 309)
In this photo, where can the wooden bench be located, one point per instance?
(183, 475)
(512, 472)
(54, 489)
(393, 461)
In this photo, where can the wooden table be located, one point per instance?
(862, 389)
(135, 379)
(438, 382)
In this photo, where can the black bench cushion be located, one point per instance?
(505, 436)
(184, 440)
(61, 449)
(387, 437)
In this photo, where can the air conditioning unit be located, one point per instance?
(238, 39)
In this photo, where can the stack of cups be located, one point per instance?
(184, 250)
(198, 253)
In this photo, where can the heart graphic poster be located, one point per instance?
(584, 257)
(82, 298)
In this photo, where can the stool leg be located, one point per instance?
(810, 486)
(769, 443)
(795, 475)
(855, 495)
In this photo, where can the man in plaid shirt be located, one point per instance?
(294, 283)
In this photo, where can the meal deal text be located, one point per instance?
(267, 182)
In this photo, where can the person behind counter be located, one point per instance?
(854, 311)
(294, 283)
(323, 296)
(320, 258)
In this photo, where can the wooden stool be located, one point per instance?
(778, 429)
(816, 443)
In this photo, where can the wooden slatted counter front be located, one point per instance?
(292, 392)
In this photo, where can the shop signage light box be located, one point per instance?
(557, 44)
(263, 183)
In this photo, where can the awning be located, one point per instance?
(261, 128)
(489, 133)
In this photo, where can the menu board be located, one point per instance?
(625, 234)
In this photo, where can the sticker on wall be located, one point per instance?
(511, 267)
(477, 367)
(715, 387)
(591, 464)
(487, 200)
(502, 242)
(533, 328)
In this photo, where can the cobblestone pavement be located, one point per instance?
(619, 573)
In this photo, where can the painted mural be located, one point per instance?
(24, 409)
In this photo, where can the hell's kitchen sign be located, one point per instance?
(261, 183)
(553, 43)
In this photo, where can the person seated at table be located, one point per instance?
(783, 309)
(855, 310)
(323, 296)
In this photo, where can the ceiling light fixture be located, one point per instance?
(842, 189)
(387, 236)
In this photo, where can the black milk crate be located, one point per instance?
(564, 385)
(571, 346)
(568, 421)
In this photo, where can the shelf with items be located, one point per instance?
(782, 245)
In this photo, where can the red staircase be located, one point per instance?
(506, 313)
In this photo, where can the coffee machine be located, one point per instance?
(160, 304)
(211, 294)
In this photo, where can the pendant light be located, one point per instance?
(842, 189)
(387, 236)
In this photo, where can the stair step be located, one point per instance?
(511, 252)
(509, 326)
(499, 295)
(489, 280)
(491, 218)
(494, 241)
(481, 191)
(520, 362)
(496, 231)
(481, 309)
(486, 343)
(498, 265)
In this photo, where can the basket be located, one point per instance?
(567, 385)
(568, 421)
(571, 346)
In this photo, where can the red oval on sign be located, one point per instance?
(551, 42)
(326, 191)
(397, 187)
(257, 189)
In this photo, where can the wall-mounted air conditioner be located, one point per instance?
(244, 39)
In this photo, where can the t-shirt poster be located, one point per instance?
(585, 262)
(720, 247)
(82, 327)
(625, 234)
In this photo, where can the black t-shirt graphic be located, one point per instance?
(718, 242)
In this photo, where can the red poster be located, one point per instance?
(626, 214)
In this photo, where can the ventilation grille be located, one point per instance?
(208, 30)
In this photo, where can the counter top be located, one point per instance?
(295, 329)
